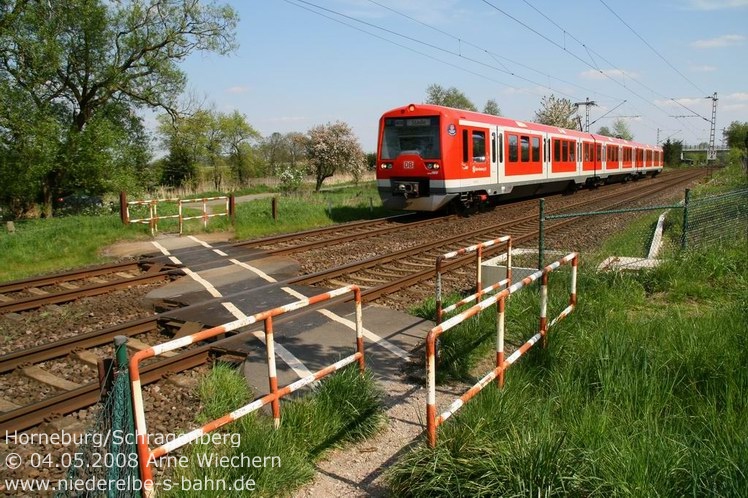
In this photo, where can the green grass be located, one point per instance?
(47, 245)
(641, 392)
(309, 209)
(344, 408)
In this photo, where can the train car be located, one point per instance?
(430, 157)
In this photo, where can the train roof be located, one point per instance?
(513, 123)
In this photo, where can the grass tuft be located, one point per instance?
(345, 407)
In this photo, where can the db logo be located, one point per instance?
(409, 164)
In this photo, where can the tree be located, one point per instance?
(605, 131)
(556, 112)
(737, 135)
(331, 148)
(210, 138)
(621, 130)
(71, 60)
(492, 108)
(448, 97)
(671, 152)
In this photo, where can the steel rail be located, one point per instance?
(61, 348)
(32, 302)
(34, 414)
(56, 278)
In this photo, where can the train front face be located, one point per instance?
(410, 166)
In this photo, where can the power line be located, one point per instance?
(415, 40)
(589, 51)
(493, 55)
(652, 48)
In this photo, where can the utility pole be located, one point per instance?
(711, 155)
(587, 103)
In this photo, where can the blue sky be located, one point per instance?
(299, 65)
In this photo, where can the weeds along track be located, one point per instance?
(31, 293)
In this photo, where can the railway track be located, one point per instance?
(379, 276)
(31, 293)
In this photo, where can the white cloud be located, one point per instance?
(594, 74)
(702, 68)
(738, 96)
(688, 102)
(717, 4)
(720, 41)
(237, 89)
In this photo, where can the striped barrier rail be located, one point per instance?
(146, 456)
(205, 215)
(153, 216)
(478, 250)
(432, 420)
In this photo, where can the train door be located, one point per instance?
(497, 154)
(476, 163)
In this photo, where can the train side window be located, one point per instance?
(479, 146)
(493, 147)
(513, 149)
(501, 147)
(599, 150)
(571, 151)
(464, 146)
(535, 149)
(565, 151)
(587, 151)
(556, 150)
(525, 145)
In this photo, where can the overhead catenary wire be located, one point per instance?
(664, 59)
(417, 41)
(589, 50)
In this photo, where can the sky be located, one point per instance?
(303, 63)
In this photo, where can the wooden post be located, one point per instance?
(123, 208)
(274, 204)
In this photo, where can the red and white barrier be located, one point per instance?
(432, 420)
(153, 216)
(146, 456)
(478, 249)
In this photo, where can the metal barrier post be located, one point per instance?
(541, 229)
(179, 214)
(439, 311)
(684, 235)
(272, 373)
(543, 327)
(500, 318)
(478, 276)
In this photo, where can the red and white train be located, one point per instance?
(430, 157)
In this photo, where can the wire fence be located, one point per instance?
(106, 463)
(640, 236)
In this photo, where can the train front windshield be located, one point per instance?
(411, 136)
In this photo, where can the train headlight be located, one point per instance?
(432, 166)
(386, 165)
